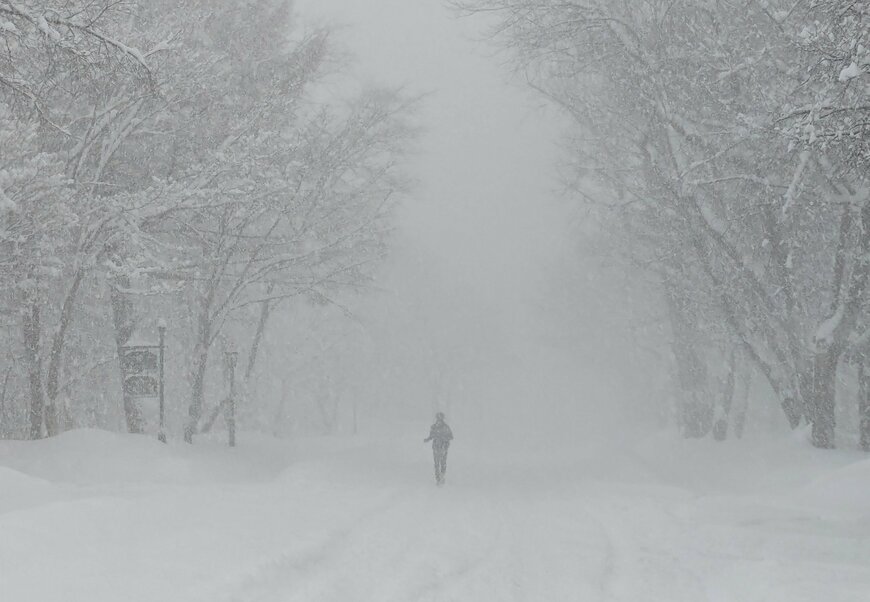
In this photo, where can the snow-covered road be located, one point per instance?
(95, 517)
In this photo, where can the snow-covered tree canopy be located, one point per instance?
(188, 152)
(727, 145)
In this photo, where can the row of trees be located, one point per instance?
(725, 147)
(192, 158)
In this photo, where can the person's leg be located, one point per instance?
(435, 458)
(442, 463)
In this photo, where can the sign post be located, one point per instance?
(142, 364)
(161, 329)
(231, 357)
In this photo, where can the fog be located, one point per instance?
(486, 270)
(430, 300)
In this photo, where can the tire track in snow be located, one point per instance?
(389, 553)
(469, 542)
(259, 578)
(645, 560)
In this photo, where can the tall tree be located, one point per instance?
(680, 108)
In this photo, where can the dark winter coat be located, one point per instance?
(440, 435)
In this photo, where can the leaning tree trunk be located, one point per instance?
(265, 311)
(197, 378)
(31, 328)
(53, 421)
(124, 323)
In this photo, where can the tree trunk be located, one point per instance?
(720, 427)
(820, 397)
(32, 356)
(793, 410)
(695, 412)
(6, 378)
(197, 396)
(821, 380)
(864, 406)
(124, 323)
(212, 416)
(53, 421)
(742, 406)
(265, 310)
(197, 381)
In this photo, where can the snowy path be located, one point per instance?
(346, 521)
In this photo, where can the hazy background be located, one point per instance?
(485, 206)
(493, 312)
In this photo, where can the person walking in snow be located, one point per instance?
(440, 435)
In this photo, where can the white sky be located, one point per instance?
(485, 205)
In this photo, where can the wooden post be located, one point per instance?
(232, 356)
(161, 433)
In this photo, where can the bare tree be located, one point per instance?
(757, 228)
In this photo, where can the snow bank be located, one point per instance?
(845, 490)
(758, 464)
(90, 457)
(18, 490)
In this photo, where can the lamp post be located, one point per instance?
(161, 329)
(231, 358)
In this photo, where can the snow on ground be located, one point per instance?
(98, 517)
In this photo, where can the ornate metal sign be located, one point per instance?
(141, 367)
